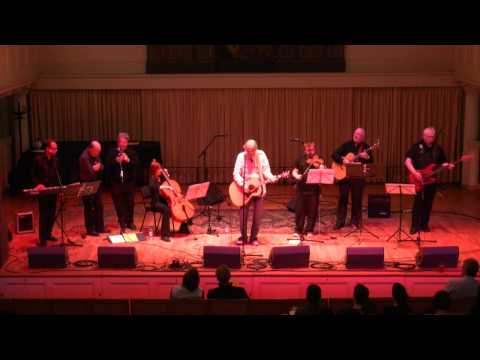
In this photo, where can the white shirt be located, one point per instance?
(240, 164)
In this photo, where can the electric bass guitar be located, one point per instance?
(341, 169)
(255, 189)
(430, 172)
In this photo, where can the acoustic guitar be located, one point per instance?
(255, 189)
(341, 170)
(430, 172)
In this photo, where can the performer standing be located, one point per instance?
(422, 154)
(307, 194)
(158, 202)
(91, 169)
(252, 162)
(121, 164)
(356, 146)
(45, 174)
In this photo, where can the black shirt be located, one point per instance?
(114, 169)
(301, 164)
(423, 155)
(86, 162)
(45, 171)
(154, 186)
(351, 147)
(227, 292)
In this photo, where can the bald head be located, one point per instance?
(94, 149)
(250, 147)
(359, 135)
(429, 134)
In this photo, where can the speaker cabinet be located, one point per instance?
(434, 257)
(214, 256)
(289, 257)
(379, 206)
(117, 257)
(47, 257)
(25, 222)
(365, 258)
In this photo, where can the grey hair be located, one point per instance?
(123, 135)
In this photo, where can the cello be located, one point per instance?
(181, 209)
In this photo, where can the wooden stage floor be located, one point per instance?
(455, 221)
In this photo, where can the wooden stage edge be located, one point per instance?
(152, 281)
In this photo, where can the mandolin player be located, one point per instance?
(252, 163)
(422, 154)
(307, 194)
(356, 146)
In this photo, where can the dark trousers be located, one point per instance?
(47, 207)
(257, 204)
(355, 186)
(307, 207)
(93, 213)
(123, 196)
(163, 209)
(422, 207)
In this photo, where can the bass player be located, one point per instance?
(422, 154)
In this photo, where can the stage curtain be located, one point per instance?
(185, 120)
(86, 114)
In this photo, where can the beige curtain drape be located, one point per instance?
(185, 120)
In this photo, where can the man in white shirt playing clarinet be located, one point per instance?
(250, 164)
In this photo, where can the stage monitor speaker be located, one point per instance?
(289, 257)
(25, 222)
(117, 257)
(47, 257)
(434, 257)
(379, 206)
(365, 258)
(214, 256)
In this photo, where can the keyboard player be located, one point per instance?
(45, 174)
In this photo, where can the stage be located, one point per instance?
(454, 221)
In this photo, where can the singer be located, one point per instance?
(121, 166)
(45, 174)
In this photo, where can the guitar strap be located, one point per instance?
(259, 168)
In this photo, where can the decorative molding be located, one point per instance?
(232, 81)
(16, 86)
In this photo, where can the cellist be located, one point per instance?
(158, 202)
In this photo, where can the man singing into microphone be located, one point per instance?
(45, 174)
(121, 164)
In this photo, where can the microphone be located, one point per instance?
(296, 140)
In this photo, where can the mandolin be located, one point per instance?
(341, 169)
(255, 189)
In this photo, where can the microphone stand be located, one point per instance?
(61, 212)
(203, 155)
(244, 213)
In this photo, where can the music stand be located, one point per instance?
(88, 188)
(358, 170)
(403, 189)
(320, 177)
(66, 192)
(199, 191)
